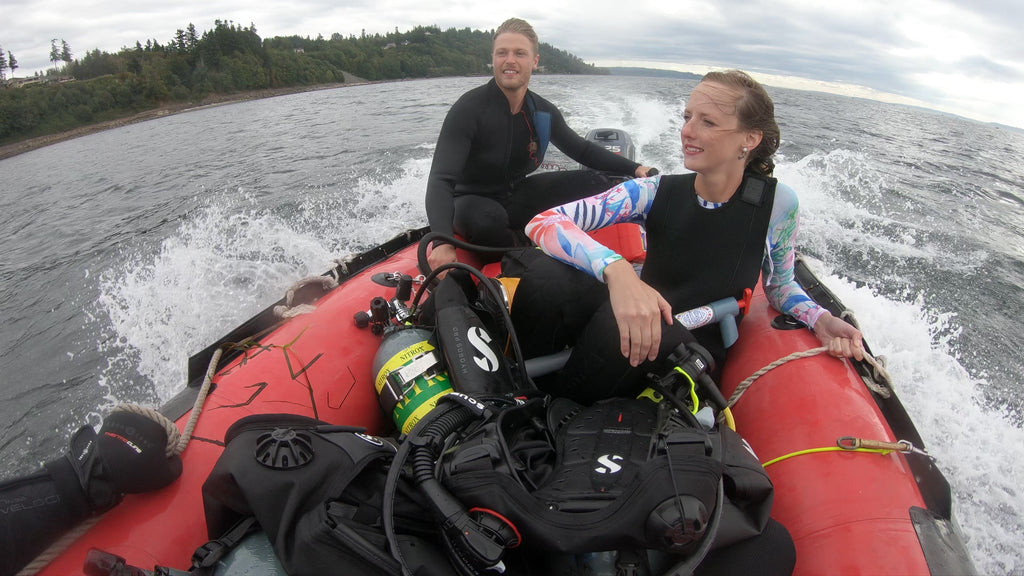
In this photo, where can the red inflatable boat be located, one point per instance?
(852, 503)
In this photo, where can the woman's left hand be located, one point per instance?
(842, 338)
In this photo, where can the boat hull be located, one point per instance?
(848, 512)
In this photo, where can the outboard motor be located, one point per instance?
(613, 140)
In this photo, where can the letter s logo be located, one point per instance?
(479, 339)
(608, 464)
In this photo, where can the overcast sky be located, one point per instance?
(964, 57)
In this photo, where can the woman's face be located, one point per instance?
(712, 137)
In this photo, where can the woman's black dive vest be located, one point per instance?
(695, 255)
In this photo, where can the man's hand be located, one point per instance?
(442, 254)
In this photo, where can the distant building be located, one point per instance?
(16, 82)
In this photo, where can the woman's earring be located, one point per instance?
(742, 154)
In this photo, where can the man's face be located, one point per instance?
(514, 60)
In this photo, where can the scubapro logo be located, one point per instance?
(486, 359)
(608, 464)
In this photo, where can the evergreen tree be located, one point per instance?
(54, 53)
(3, 64)
(191, 38)
(65, 51)
(12, 63)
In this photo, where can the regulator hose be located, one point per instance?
(391, 482)
(421, 252)
(475, 541)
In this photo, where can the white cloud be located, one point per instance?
(956, 57)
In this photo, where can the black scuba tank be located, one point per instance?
(474, 357)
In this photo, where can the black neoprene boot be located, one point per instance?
(129, 455)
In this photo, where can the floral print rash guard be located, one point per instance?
(561, 233)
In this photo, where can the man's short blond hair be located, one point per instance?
(519, 26)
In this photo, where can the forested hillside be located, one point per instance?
(230, 59)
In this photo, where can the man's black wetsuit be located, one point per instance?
(477, 185)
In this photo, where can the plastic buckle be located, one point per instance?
(102, 563)
(207, 555)
(688, 443)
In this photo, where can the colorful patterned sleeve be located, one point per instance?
(777, 270)
(561, 232)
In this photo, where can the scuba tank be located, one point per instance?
(408, 373)
(409, 376)
(415, 366)
(475, 359)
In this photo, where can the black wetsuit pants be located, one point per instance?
(557, 306)
(498, 220)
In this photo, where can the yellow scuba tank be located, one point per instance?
(410, 375)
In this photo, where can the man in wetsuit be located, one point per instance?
(493, 137)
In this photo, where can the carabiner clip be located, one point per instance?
(909, 448)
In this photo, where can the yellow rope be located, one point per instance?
(825, 449)
(729, 420)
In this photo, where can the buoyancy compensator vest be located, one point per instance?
(316, 490)
(621, 473)
(553, 476)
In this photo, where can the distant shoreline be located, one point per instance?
(30, 144)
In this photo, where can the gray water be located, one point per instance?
(126, 251)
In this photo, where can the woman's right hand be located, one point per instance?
(639, 311)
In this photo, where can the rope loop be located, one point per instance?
(173, 435)
(743, 386)
(879, 374)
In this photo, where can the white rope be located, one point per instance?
(753, 377)
(197, 407)
(169, 428)
(289, 309)
(58, 547)
(879, 373)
